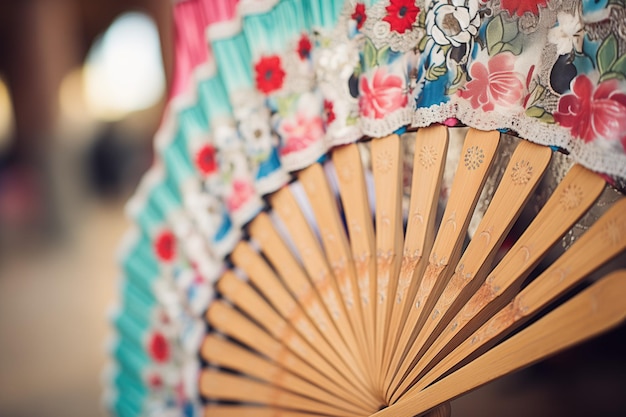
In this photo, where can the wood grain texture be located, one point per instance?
(594, 311)
(358, 218)
(478, 153)
(571, 199)
(507, 203)
(431, 145)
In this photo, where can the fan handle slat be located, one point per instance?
(314, 262)
(521, 177)
(230, 322)
(594, 311)
(478, 153)
(387, 169)
(431, 146)
(601, 243)
(220, 385)
(572, 198)
(358, 217)
(250, 302)
(338, 254)
(264, 279)
(263, 232)
(219, 351)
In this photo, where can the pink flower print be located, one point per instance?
(242, 191)
(495, 84)
(300, 133)
(381, 95)
(591, 111)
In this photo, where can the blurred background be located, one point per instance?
(82, 88)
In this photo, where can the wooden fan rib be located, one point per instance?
(220, 385)
(571, 199)
(358, 215)
(601, 243)
(594, 311)
(387, 169)
(478, 152)
(316, 266)
(276, 251)
(266, 281)
(234, 324)
(249, 301)
(219, 351)
(431, 144)
(522, 175)
(338, 254)
(250, 411)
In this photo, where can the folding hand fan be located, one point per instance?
(316, 236)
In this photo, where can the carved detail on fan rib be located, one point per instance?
(474, 157)
(428, 156)
(522, 172)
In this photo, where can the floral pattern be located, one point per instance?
(165, 246)
(304, 47)
(381, 95)
(552, 72)
(206, 160)
(519, 7)
(269, 74)
(359, 15)
(494, 85)
(159, 348)
(401, 14)
(591, 111)
(301, 132)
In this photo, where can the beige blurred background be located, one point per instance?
(71, 154)
(73, 145)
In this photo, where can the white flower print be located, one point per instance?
(568, 34)
(453, 22)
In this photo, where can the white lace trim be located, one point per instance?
(271, 182)
(590, 155)
(382, 127)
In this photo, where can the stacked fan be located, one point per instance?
(355, 204)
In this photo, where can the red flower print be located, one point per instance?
(165, 246)
(519, 7)
(382, 95)
(359, 15)
(304, 47)
(205, 160)
(329, 111)
(494, 85)
(401, 14)
(300, 133)
(269, 74)
(590, 111)
(159, 348)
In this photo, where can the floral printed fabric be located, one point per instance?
(552, 71)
